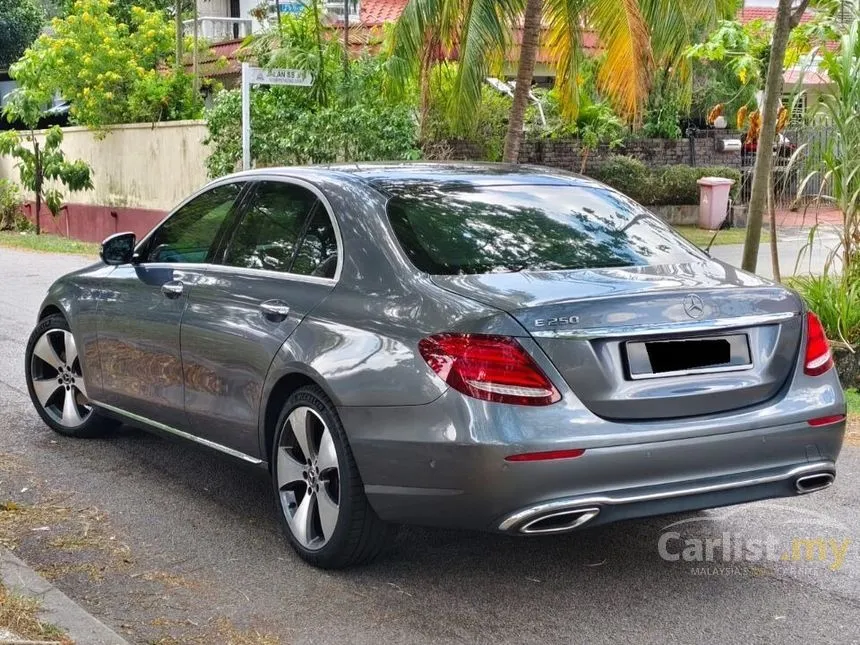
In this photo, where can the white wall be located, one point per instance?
(138, 165)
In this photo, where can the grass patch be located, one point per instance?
(20, 616)
(701, 237)
(852, 397)
(852, 434)
(47, 243)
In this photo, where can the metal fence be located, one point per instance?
(797, 153)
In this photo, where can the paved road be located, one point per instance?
(798, 255)
(207, 526)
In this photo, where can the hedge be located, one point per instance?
(667, 185)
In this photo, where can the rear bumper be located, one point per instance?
(570, 513)
(443, 464)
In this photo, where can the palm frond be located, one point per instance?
(564, 42)
(626, 70)
(485, 30)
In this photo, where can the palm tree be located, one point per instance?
(637, 37)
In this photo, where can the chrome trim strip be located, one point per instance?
(668, 328)
(698, 370)
(573, 504)
(180, 433)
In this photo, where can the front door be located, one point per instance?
(276, 265)
(141, 306)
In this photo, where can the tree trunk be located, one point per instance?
(774, 247)
(177, 19)
(786, 20)
(37, 163)
(525, 73)
(425, 69)
(346, 43)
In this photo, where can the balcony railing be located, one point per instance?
(217, 30)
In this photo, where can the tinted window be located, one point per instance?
(267, 235)
(457, 228)
(189, 233)
(317, 253)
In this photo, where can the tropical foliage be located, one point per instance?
(20, 22)
(110, 71)
(839, 174)
(836, 302)
(345, 115)
(638, 37)
(38, 162)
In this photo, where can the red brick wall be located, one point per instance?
(94, 223)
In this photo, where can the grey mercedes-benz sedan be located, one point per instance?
(489, 347)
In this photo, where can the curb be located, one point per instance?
(57, 608)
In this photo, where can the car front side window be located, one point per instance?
(188, 235)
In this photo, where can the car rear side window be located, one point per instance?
(462, 228)
(272, 225)
(188, 234)
(317, 254)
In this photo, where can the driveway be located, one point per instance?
(169, 543)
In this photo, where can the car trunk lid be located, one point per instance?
(654, 342)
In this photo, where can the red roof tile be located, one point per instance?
(768, 14)
(378, 12)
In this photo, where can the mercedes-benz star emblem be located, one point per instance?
(694, 306)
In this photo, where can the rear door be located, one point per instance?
(278, 262)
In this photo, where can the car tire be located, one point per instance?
(323, 509)
(51, 382)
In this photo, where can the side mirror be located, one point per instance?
(118, 249)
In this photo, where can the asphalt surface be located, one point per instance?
(798, 253)
(210, 522)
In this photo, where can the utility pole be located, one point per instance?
(177, 9)
(194, 56)
(346, 45)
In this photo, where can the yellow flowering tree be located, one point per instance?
(110, 72)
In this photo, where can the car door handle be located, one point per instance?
(172, 289)
(275, 310)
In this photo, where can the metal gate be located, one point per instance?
(797, 153)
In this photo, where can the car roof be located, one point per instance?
(389, 174)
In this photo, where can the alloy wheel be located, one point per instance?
(308, 477)
(55, 371)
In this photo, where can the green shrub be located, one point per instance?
(485, 129)
(669, 185)
(628, 175)
(678, 184)
(10, 204)
(836, 301)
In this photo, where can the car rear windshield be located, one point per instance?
(462, 228)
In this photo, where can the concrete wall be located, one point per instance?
(138, 166)
(140, 172)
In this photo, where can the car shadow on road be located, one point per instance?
(246, 490)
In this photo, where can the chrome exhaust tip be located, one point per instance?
(559, 521)
(814, 482)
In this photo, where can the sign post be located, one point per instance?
(259, 76)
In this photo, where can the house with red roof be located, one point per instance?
(225, 23)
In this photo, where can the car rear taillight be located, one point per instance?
(818, 358)
(490, 368)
